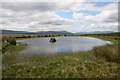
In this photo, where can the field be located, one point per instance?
(101, 62)
(24, 36)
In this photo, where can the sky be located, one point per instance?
(59, 16)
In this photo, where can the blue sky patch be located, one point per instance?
(102, 3)
(67, 15)
(88, 12)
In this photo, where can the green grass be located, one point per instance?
(89, 64)
(19, 46)
(64, 68)
(68, 57)
(10, 55)
(62, 65)
(108, 52)
(113, 37)
(12, 48)
(107, 39)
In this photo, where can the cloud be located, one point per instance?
(29, 6)
(97, 27)
(33, 21)
(105, 26)
(54, 6)
(107, 13)
(33, 16)
(106, 20)
(105, 16)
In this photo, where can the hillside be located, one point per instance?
(40, 32)
(53, 32)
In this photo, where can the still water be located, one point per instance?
(63, 44)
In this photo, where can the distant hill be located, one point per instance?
(40, 32)
(13, 32)
(95, 32)
(52, 32)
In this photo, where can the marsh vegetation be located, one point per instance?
(100, 62)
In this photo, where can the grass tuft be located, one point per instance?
(107, 52)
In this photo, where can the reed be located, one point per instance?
(107, 52)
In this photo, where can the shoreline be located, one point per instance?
(82, 64)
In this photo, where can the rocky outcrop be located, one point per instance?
(52, 40)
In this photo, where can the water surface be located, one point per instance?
(63, 44)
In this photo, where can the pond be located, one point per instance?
(63, 44)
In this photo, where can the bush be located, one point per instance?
(38, 36)
(46, 36)
(24, 36)
(29, 36)
(65, 35)
(107, 52)
(13, 42)
(9, 40)
(53, 36)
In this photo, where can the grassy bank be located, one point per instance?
(19, 46)
(8, 43)
(8, 48)
(10, 53)
(69, 65)
(29, 36)
(113, 37)
(63, 65)
(101, 62)
(108, 52)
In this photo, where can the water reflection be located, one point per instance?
(63, 44)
